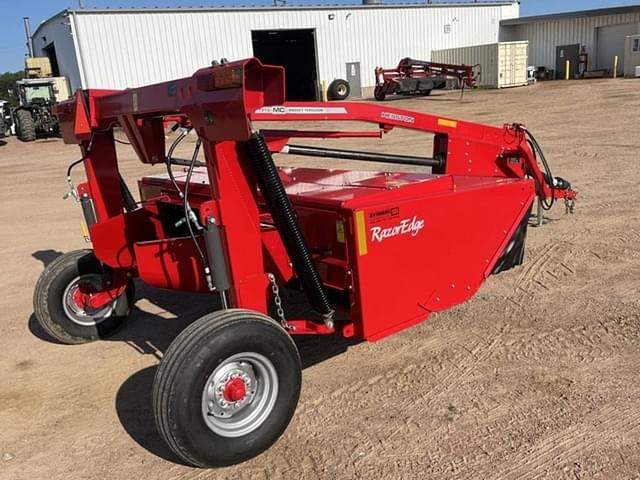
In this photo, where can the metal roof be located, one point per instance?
(323, 6)
(571, 15)
(267, 8)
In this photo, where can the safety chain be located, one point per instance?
(278, 301)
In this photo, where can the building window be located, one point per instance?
(636, 45)
(447, 28)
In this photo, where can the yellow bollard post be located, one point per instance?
(324, 90)
(567, 70)
(615, 66)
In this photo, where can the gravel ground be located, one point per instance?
(536, 377)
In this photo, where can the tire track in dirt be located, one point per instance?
(413, 408)
(547, 269)
(564, 446)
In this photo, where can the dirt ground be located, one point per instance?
(537, 377)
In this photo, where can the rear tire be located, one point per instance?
(25, 128)
(339, 89)
(378, 94)
(426, 93)
(54, 293)
(226, 388)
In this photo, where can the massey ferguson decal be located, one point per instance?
(408, 226)
(282, 110)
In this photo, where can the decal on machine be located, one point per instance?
(398, 117)
(282, 110)
(385, 214)
(408, 226)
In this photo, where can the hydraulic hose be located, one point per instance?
(538, 153)
(286, 222)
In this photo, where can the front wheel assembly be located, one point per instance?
(226, 388)
(64, 299)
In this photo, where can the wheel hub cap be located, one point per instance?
(240, 394)
(235, 390)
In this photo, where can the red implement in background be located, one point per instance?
(374, 251)
(419, 77)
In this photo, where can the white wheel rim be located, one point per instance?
(83, 315)
(342, 90)
(234, 416)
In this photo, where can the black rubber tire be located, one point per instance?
(25, 128)
(426, 93)
(378, 94)
(49, 290)
(339, 90)
(189, 361)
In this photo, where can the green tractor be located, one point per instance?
(34, 117)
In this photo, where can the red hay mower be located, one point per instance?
(418, 77)
(237, 226)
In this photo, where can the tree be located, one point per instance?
(8, 89)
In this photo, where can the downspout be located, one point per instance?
(27, 31)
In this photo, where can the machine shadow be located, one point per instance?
(38, 332)
(151, 334)
(46, 256)
(133, 406)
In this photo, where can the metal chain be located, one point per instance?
(278, 301)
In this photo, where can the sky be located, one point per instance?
(12, 37)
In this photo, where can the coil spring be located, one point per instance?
(286, 222)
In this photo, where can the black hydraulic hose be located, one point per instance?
(189, 216)
(535, 146)
(71, 167)
(175, 143)
(130, 203)
(286, 222)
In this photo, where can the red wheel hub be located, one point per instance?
(86, 295)
(234, 390)
(83, 298)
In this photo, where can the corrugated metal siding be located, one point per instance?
(545, 36)
(485, 55)
(128, 49)
(58, 31)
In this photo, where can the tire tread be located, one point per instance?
(25, 127)
(173, 360)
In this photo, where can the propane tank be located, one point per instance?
(583, 59)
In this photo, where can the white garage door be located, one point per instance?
(611, 43)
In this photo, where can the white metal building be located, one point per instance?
(553, 39)
(133, 47)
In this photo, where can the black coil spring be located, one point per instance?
(286, 222)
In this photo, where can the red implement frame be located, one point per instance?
(399, 246)
(389, 80)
